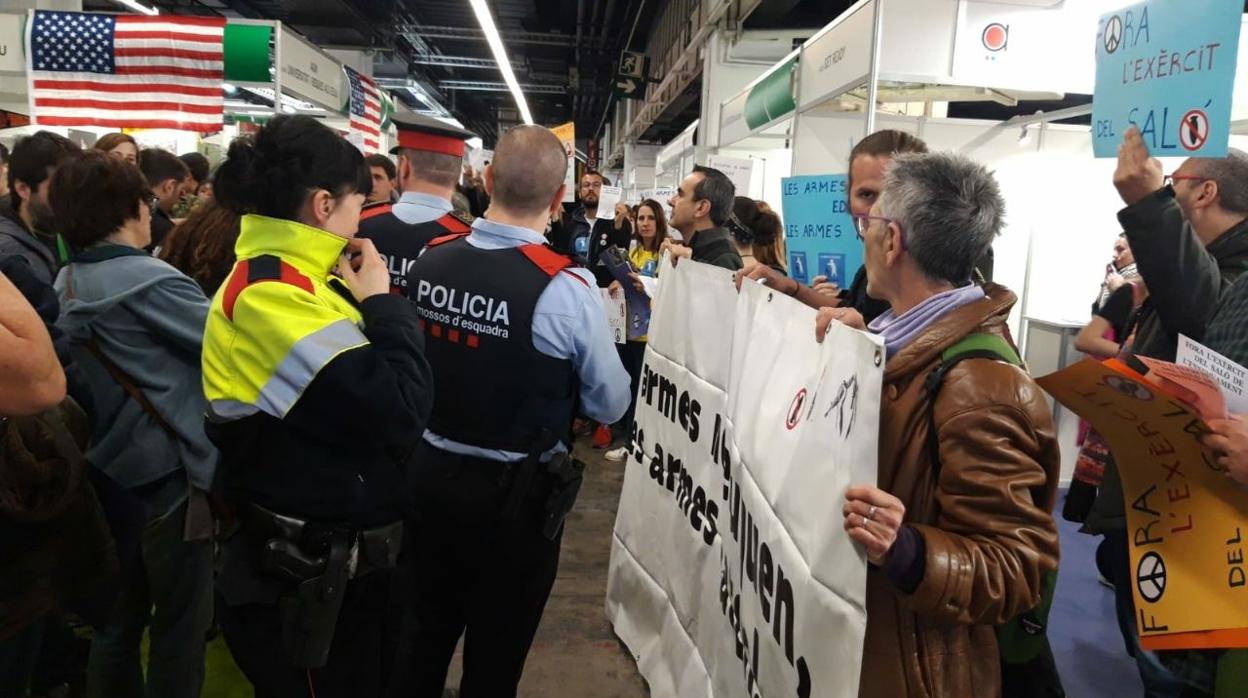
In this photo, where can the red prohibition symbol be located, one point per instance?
(1194, 130)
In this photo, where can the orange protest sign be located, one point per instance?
(1185, 519)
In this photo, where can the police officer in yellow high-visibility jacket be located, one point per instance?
(318, 392)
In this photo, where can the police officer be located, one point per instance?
(431, 157)
(318, 391)
(517, 339)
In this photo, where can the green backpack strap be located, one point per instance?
(1022, 638)
(980, 345)
(62, 251)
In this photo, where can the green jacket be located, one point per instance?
(1186, 280)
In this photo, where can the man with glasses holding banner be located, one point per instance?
(1190, 239)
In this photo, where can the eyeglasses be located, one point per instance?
(1169, 180)
(862, 222)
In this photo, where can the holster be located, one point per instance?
(566, 474)
(518, 478)
(316, 561)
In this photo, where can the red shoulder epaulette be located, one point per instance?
(454, 223)
(445, 239)
(257, 270)
(373, 211)
(550, 261)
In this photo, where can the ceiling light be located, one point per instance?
(500, 56)
(138, 7)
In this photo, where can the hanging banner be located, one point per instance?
(1185, 518)
(567, 136)
(739, 170)
(730, 573)
(1167, 67)
(311, 73)
(79, 62)
(818, 230)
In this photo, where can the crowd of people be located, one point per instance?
(327, 403)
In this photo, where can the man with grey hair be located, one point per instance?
(958, 527)
(1190, 240)
(518, 343)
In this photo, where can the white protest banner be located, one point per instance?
(731, 574)
(1230, 375)
(739, 170)
(479, 158)
(616, 310)
(607, 199)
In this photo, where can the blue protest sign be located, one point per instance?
(818, 229)
(1168, 68)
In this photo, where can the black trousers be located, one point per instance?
(633, 356)
(471, 571)
(253, 633)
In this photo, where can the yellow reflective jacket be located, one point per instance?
(267, 338)
(314, 400)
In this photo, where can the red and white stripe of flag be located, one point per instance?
(168, 74)
(369, 126)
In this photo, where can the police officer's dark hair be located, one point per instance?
(4, 154)
(716, 188)
(33, 156)
(385, 163)
(885, 143)
(94, 195)
(606, 181)
(159, 166)
(198, 166)
(290, 157)
(438, 169)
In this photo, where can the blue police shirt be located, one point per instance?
(568, 323)
(414, 207)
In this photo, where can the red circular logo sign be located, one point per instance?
(795, 410)
(996, 36)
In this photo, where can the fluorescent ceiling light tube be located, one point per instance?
(138, 7)
(500, 56)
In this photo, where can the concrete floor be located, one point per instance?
(576, 654)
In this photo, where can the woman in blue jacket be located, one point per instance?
(136, 325)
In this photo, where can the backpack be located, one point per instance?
(1028, 669)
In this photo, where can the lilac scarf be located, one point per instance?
(899, 331)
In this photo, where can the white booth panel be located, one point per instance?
(771, 166)
(824, 138)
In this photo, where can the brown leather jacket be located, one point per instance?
(987, 524)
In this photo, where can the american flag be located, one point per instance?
(126, 71)
(365, 111)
